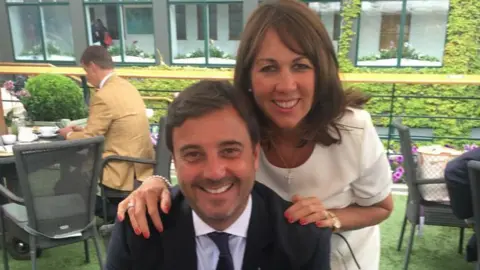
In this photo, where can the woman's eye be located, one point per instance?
(301, 66)
(268, 69)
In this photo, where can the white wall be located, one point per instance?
(427, 35)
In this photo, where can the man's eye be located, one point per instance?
(192, 156)
(230, 152)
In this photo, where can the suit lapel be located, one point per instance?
(179, 245)
(259, 234)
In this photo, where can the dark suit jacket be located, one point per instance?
(458, 184)
(272, 243)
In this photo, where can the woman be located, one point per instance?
(317, 150)
(99, 31)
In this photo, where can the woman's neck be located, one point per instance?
(290, 137)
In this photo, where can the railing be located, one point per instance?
(354, 78)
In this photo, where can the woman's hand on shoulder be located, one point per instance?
(307, 210)
(147, 197)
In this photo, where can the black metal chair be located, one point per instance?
(161, 167)
(162, 162)
(58, 181)
(432, 212)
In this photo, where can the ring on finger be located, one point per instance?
(130, 205)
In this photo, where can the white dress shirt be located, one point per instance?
(104, 80)
(207, 251)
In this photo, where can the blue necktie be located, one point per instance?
(225, 261)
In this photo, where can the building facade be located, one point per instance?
(394, 33)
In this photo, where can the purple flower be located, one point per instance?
(414, 149)
(400, 170)
(154, 138)
(9, 85)
(396, 176)
(470, 147)
(399, 159)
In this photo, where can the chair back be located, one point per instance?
(408, 161)
(474, 176)
(59, 185)
(163, 156)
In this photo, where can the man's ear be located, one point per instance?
(174, 160)
(256, 155)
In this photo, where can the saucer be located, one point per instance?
(47, 136)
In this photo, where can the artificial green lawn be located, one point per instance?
(435, 250)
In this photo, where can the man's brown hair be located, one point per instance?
(98, 55)
(205, 97)
(302, 31)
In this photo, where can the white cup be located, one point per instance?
(47, 131)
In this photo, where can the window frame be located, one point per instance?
(206, 27)
(121, 21)
(38, 6)
(401, 40)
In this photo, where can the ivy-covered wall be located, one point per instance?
(462, 56)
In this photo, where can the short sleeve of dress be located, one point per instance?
(375, 181)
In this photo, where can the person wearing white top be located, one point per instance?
(320, 149)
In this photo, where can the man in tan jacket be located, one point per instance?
(117, 111)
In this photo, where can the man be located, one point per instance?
(117, 111)
(459, 191)
(220, 217)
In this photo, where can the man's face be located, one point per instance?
(216, 164)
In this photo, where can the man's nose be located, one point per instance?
(215, 168)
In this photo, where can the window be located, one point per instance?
(180, 22)
(130, 27)
(212, 21)
(329, 13)
(235, 21)
(139, 21)
(224, 25)
(41, 32)
(393, 36)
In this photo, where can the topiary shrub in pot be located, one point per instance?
(53, 97)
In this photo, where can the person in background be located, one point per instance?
(98, 33)
(116, 111)
(459, 191)
(319, 149)
(220, 218)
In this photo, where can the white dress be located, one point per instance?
(355, 171)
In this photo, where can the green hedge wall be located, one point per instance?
(462, 56)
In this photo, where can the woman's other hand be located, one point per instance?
(307, 210)
(147, 197)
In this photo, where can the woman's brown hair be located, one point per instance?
(302, 31)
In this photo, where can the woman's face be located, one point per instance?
(283, 82)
